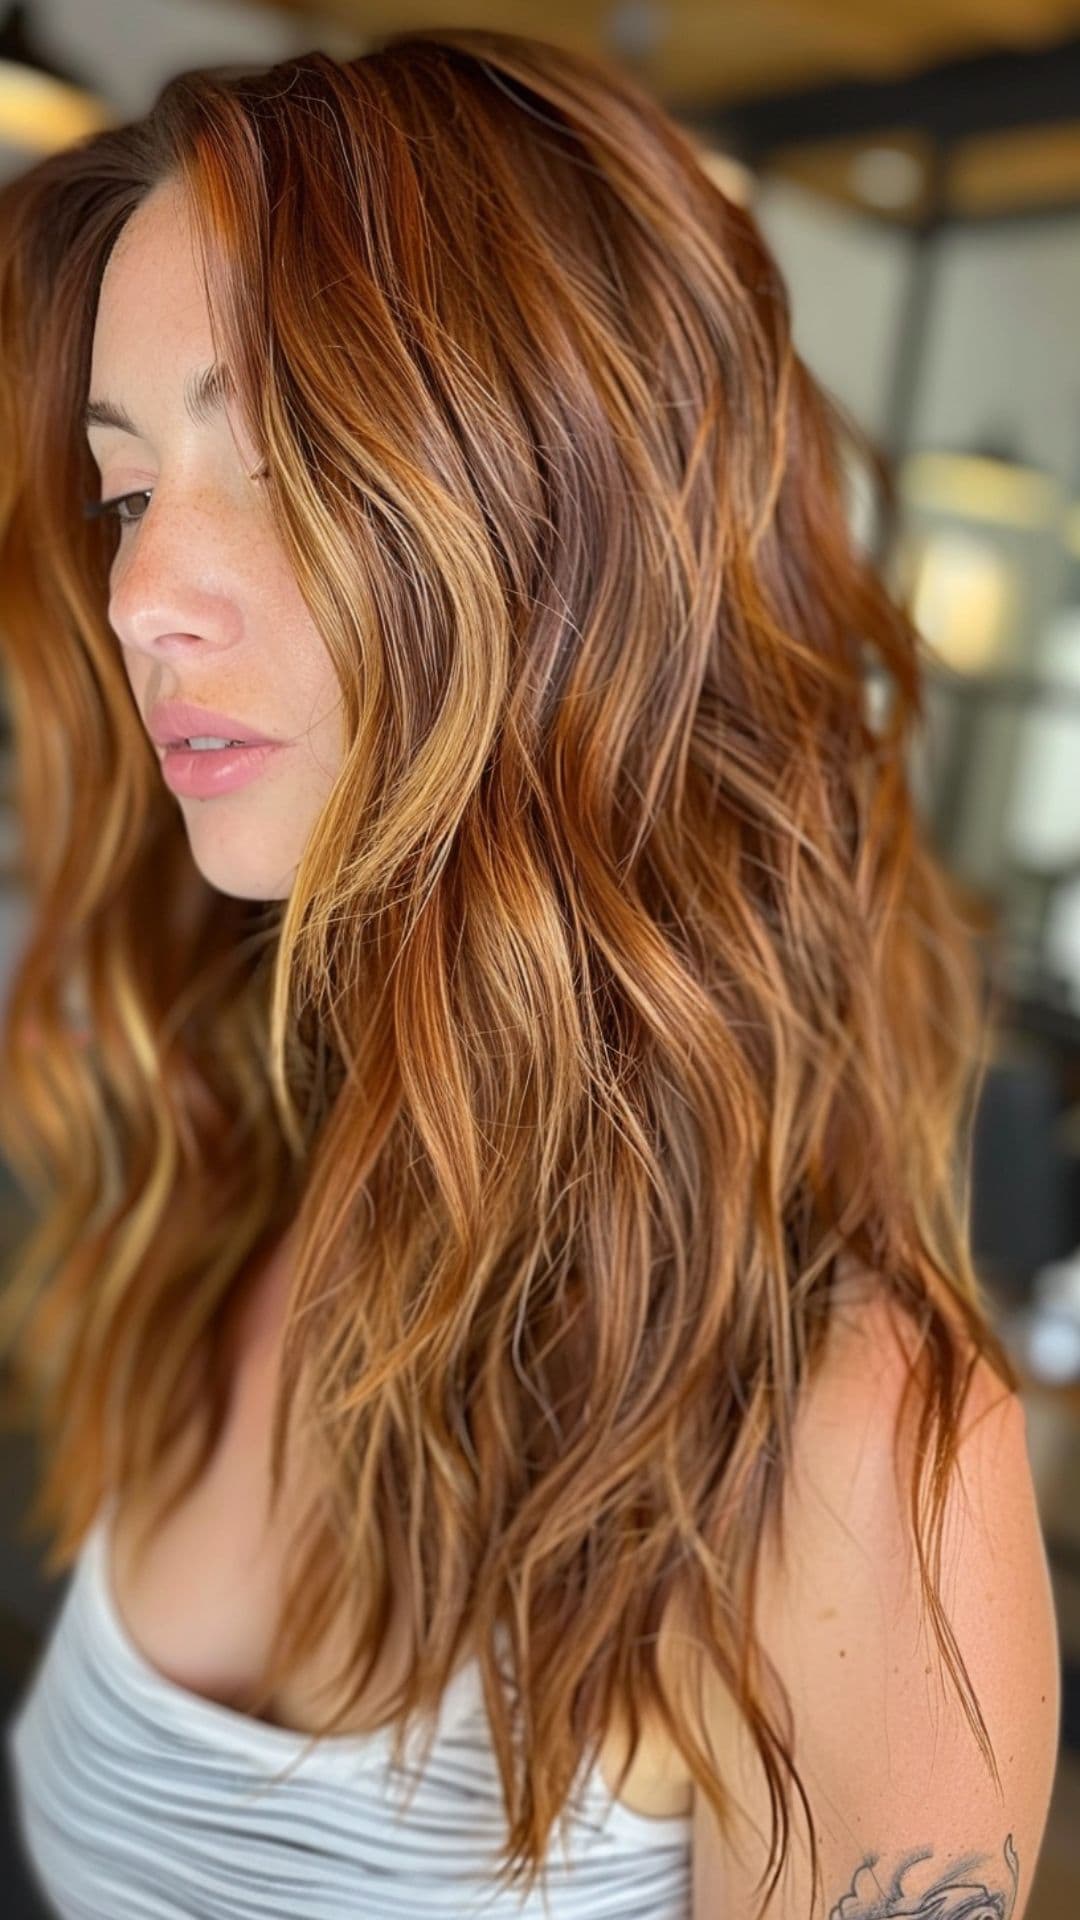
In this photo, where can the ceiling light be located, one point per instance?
(886, 176)
(41, 106)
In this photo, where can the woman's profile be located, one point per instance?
(492, 1054)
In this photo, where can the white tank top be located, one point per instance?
(139, 1800)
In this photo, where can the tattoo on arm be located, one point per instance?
(917, 1892)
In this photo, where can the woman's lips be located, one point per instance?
(201, 773)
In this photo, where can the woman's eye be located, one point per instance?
(117, 507)
(96, 509)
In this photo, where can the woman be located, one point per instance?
(502, 1269)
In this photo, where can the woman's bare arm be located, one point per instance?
(908, 1820)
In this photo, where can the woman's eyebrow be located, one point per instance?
(205, 393)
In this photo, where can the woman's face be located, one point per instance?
(201, 595)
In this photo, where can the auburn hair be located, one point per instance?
(618, 998)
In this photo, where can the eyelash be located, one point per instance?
(100, 509)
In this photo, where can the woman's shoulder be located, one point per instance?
(872, 1347)
(866, 1431)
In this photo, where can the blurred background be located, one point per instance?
(915, 166)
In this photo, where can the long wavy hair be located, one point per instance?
(617, 1002)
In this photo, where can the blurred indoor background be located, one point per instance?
(915, 165)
